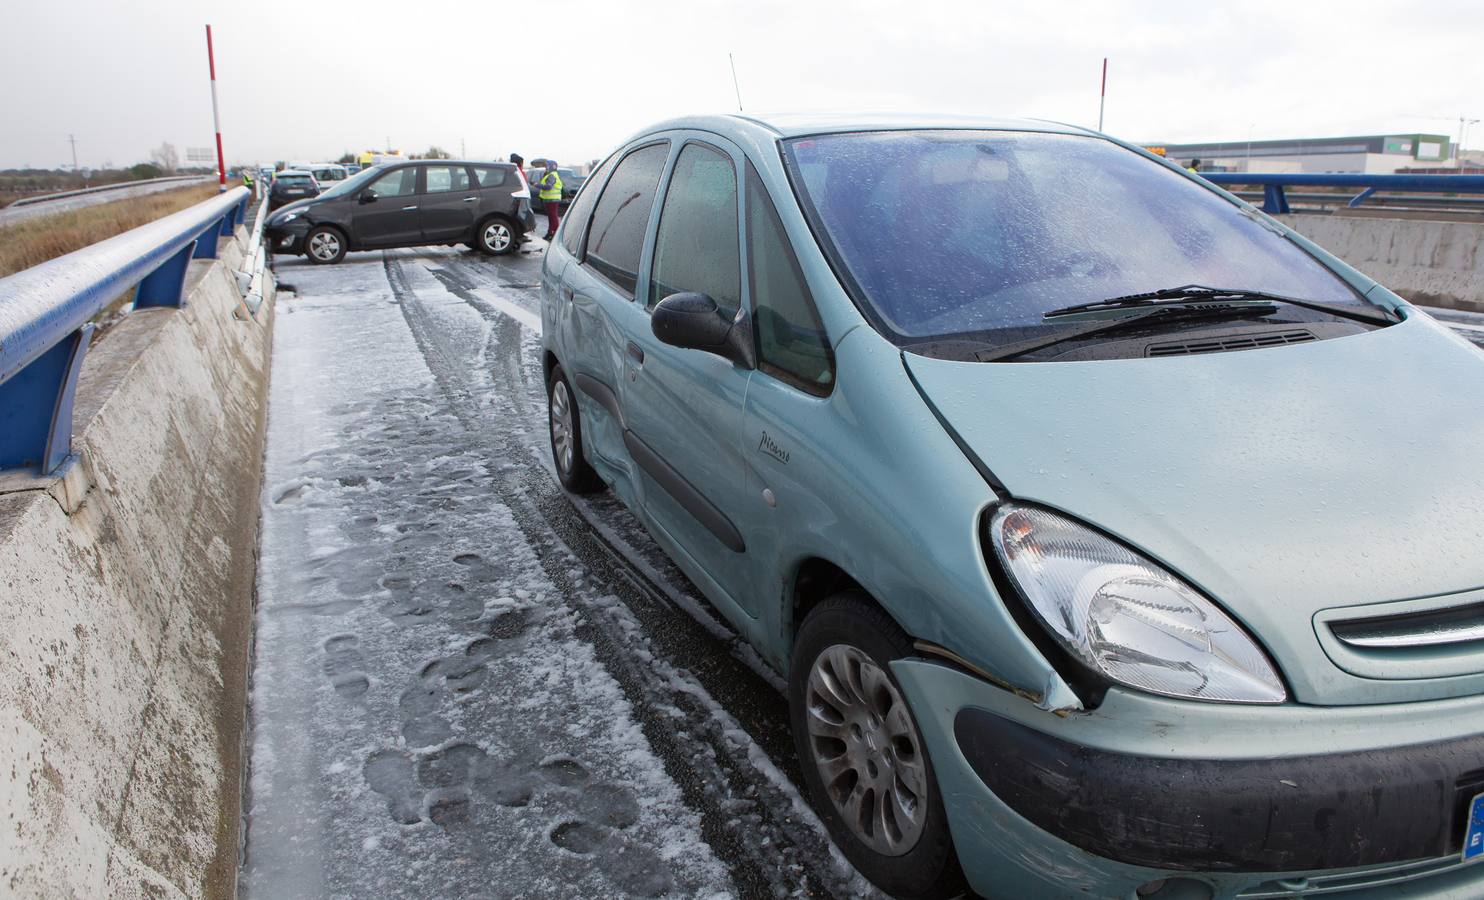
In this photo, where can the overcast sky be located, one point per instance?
(313, 79)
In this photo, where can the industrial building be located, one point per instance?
(1370, 154)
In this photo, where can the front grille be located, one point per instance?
(1452, 626)
(1229, 344)
(1449, 872)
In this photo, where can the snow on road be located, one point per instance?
(426, 721)
(464, 684)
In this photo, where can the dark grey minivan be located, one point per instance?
(434, 201)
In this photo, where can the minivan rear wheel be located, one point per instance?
(565, 426)
(864, 761)
(324, 245)
(497, 237)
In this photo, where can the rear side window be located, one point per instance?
(447, 178)
(489, 176)
(616, 238)
(574, 223)
(697, 245)
(791, 341)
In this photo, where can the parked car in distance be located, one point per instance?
(327, 174)
(408, 204)
(571, 183)
(291, 185)
(1113, 539)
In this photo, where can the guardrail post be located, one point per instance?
(1274, 202)
(206, 242)
(165, 286)
(1360, 197)
(228, 223)
(36, 406)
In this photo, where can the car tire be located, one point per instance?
(324, 245)
(497, 237)
(851, 636)
(564, 425)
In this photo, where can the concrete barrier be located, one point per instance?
(1432, 262)
(125, 610)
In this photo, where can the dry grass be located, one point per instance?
(27, 243)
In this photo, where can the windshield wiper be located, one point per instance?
(1196, 292)
(1160, 311)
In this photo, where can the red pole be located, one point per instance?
(1102, 94)
(221, 161)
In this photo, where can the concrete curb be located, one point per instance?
(128, 586)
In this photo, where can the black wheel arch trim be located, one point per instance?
(664, 474)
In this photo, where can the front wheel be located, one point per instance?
(573, 470)
(865, 763)
(324, 245)
(497, 237)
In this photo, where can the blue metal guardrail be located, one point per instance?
(45, 312)
(1274, 201)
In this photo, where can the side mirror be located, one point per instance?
(368, 197)
(692, 320)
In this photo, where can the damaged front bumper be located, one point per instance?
(1201, 799)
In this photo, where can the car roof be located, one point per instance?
(295, 172)
(789, 125)
(447, 162)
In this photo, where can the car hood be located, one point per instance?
(1281, 481)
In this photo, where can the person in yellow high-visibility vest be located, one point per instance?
(551, 197)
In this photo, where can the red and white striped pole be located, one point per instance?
(216, 119)
(1102, 96)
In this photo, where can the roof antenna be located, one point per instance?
(734, 81)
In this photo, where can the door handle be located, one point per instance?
(471, 199)
(408, 208)
(636, 352)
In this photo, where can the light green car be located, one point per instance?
(1113, 539)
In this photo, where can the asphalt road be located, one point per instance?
(467, 683)
(12, 214)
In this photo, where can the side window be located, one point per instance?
(574, 223)
(489, 176)
(616, 238)
(396, 183)
(447, 178)
(792, 344)
(697, 245)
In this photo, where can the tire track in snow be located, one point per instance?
(752, 815)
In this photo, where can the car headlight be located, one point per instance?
(287, 218)
(1125, 616)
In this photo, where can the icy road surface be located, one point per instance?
(465, 684)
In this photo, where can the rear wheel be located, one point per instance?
(566, 437)
(497, 237)
(324, 245)
(864, 761)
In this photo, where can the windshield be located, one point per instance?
(352, 183)
(951, 232)
(298, 180)
(329, 174)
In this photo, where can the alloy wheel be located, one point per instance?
(561, 426)
(867, 750)
(497, 236)
(325, 246)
